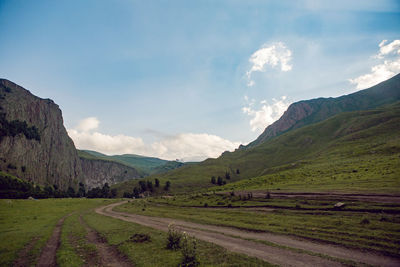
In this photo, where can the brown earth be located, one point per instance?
(107, 255)
(233, 239)
(48, 255)
(379, 198)
(24, 257)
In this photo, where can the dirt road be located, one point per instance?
(392, 198)
(234, 240)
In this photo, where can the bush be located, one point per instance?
(174, 238)
(205, 205)
(140, 238)
(364, 221)
(189, 257)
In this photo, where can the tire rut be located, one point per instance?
(274, 255)
(107, 255)
(48, 255)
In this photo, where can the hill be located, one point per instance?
(307, 112)
(366, 142)
(145, 165)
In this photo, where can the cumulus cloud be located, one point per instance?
(266, 114)
(274, 55)
(388, 66)
(185, 146)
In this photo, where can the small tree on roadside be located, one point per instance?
(220, 181)
(213, 180)
(189, 246)
(167, 185)
(227, 175)
(157, 182)
(237, 171)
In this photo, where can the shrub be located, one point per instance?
(364, 221)
(189, 257)
(174, 238)
(268, 195)
(205, 205)
(140, 238)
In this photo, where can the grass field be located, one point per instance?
(32, 221)
(362, 225)
(25, 222)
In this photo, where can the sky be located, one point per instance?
(189, 80)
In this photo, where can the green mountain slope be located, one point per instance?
(351, 139)
(145, 165)
(307, 112)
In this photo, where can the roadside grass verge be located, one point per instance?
(154, 252)
(21, 221)
(362, 230)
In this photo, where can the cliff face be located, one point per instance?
(35, 146)
(99, 172)
(311, 111)
(51, 157)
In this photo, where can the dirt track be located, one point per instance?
(232, 239)
(323, 195)
(48, 255)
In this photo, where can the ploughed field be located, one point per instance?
(246, 228)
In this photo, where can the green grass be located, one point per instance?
(340, 227)
(352, 151)
(24, 220)
(154, 253)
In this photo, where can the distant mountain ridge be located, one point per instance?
(145, 165)
(312, 111)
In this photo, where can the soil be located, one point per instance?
(24, 256)
(107, 255)
(233, 240)
(49, 251)
(379, 198)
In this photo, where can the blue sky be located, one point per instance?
(173, 79)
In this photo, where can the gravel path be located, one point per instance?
(232, 239)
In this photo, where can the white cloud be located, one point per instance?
(389, 65)
(266, 114)
(185, 146)
(275, 55)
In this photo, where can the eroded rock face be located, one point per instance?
(53, 159)
(41, 151)
(99, 172)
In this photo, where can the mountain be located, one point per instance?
(311, 111)
(145, 165)
(309, 137)
(35, 146)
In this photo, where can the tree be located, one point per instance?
(150, 186)
(157, 182)
(127, 195)
(213, 180)
(136, 192)
(113, 193)
(167, 185)
(71, 192)
(105, 191)
(227, 175)
(48, 191)
(81, 190)
(143, 186)
(219, 180)
(237, 171)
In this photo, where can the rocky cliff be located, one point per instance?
(35, 146)
(311, 111)
(99, 172)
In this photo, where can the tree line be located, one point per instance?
(146, 186)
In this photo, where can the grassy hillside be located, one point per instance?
(351, 151)
(145, 165)
(316, 110)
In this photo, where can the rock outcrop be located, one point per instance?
(312, 111)
(35, 146)
(99, 172)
